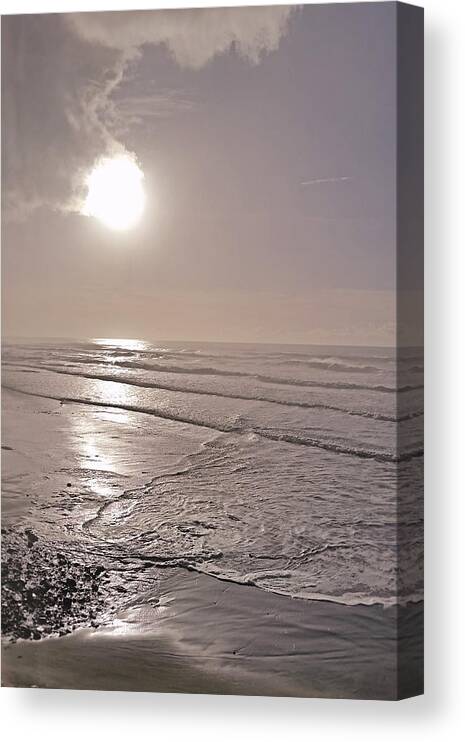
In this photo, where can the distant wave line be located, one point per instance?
(329, 364)
(208, 371)
(224, 395)
(278, 437)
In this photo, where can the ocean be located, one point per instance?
(295, 469)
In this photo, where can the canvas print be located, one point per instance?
(212, 364)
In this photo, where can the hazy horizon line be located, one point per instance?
(57, 338)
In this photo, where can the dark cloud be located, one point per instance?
(60, 73)
(52, 83)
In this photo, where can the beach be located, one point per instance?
(200, 635)
(152, 539)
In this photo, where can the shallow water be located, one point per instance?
(296, 469)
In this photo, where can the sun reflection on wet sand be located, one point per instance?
(136, 620)
(95, 440)
(94, 457)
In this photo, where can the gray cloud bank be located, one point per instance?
(59, 73)
(193, 37)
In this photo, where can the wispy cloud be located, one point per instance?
(136, 109)
(334, 179)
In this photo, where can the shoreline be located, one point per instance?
(195, 634)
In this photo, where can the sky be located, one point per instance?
(268, 143)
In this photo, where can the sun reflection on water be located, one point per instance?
(123, 343)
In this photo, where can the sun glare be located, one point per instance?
(115, 192)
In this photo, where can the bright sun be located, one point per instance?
(115, 192)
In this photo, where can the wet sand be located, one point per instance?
(201, 635)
